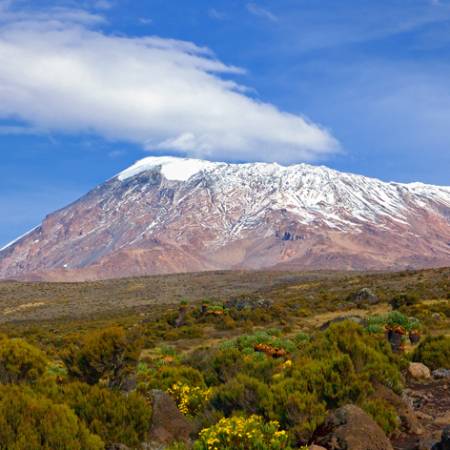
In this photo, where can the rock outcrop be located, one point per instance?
(168, 423)
(350, 428)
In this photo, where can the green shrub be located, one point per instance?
(434, 352)
(371, 358)
(166, 376)
(298, 411)
(108, 354)
(243, 394)
(20, 361)
(29, 421)
(383, 413)
(403, 300)
(239, 433)
(113, 416)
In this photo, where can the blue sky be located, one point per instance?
(360, 86)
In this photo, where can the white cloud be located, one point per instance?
(259, 11)
(60, 74)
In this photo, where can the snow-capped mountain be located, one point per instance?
(166, 214)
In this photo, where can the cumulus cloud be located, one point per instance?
(59, 73)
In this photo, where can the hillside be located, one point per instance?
(275, 360)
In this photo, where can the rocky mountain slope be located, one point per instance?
(168, 214)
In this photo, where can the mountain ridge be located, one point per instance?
(168, 214)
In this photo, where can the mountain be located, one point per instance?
(167, 214)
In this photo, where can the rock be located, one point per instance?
(168, 424)
(364, 297)
(316, 447)
(443, 420)
(408, 418)
(419, 371)
(350, 428)
(356, 319)
(440, 374)
(445, 441)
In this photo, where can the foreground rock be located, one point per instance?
(168, 424)
(350, 428)
(419, 371)
(408, 418)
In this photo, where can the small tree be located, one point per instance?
(108, 354)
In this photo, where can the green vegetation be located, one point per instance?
(29, 421)
(434, 352)
(258, 371)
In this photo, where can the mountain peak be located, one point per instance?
(249, 215)
(172, 167)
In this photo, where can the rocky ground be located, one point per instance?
(430, 401)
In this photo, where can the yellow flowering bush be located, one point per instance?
(241, 433)
(190, 399)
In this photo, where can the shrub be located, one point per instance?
(108, 353)
(383, 413)
(165, 377)
(434, 352)
(238, 433)
(20, 361)
(243, 394)
(403, 300)
(190, 399)
(109, 414)
(298, 411)
(29, 421)
(371, 358)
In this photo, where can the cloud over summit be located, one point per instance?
(59, 72)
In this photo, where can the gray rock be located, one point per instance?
(364, 297)
(441, 373)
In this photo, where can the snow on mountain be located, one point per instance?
(180, 169)
(168, 214)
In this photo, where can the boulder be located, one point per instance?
(364, 297)
(316, 447)
(350, 428)
(441, 374)
(168, 423)
(419, 371)
(408, 418)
